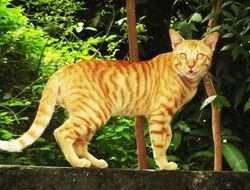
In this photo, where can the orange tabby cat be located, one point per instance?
(92, 91)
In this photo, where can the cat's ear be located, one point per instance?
(211, 39)
(175, 38)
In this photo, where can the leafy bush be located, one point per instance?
(20, 44)
(116, 143)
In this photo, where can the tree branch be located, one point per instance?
(133, 51)
(216, 127)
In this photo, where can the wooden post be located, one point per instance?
(216, 127)
(133, 52)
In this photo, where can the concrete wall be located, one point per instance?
(25, 178)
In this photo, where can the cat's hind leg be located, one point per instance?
(86, 116)
(66, 136)
(89, 120)
(73, 139)
(91, 123)
(81, 149)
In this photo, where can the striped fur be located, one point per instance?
(93, 91)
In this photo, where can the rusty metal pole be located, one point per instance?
(216, 127)
(133, 52)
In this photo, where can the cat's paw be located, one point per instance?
(170, 166)
(82, 163)
(101, 164)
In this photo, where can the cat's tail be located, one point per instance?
(43, 116)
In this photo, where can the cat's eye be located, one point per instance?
(200, 56)
(183, 56)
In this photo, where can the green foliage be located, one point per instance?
(234, 157)
(38, 37)
(236, 28)
(20, 45)
(55, 17)
(116, 142)
(192, 147)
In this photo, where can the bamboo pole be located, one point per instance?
(133, 52)
(216, 127)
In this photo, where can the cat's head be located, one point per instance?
(192, 58)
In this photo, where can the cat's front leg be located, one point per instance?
(160, 135)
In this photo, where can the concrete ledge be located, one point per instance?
(25, 178)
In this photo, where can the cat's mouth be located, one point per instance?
(191, 73)
(195, 74)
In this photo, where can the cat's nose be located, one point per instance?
(190, 68)
(190, 65)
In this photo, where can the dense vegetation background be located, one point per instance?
(39, 36)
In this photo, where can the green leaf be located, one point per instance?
(79, 29)
(227, 47)
(207, 101)
(234, 157)
(231, 138)
(17, 103)
(200, 132)
(41, 140)
(111, 37)
(229, 28)
(196, 17)
(183, 126)
(174, 158)
(235, 53)
(226, 4)
(176, 140)
(6, 135)
(185, 28)
(228, 35)
(227, 14)
(221, 101)
(45, 148)
(213, 29)
(226, 131)
(101, 137)
(126, 135)
(207, 154)
(235, 8)
(239, 96)
(120, 128)
(116, 137)
(80, 24)
(211, 15)
(247, 105)
(6, 96)
(91, 28)
(2, 114)
(227, 134)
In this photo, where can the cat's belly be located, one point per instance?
(133, 108)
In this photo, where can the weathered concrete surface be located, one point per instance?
(25, 178)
